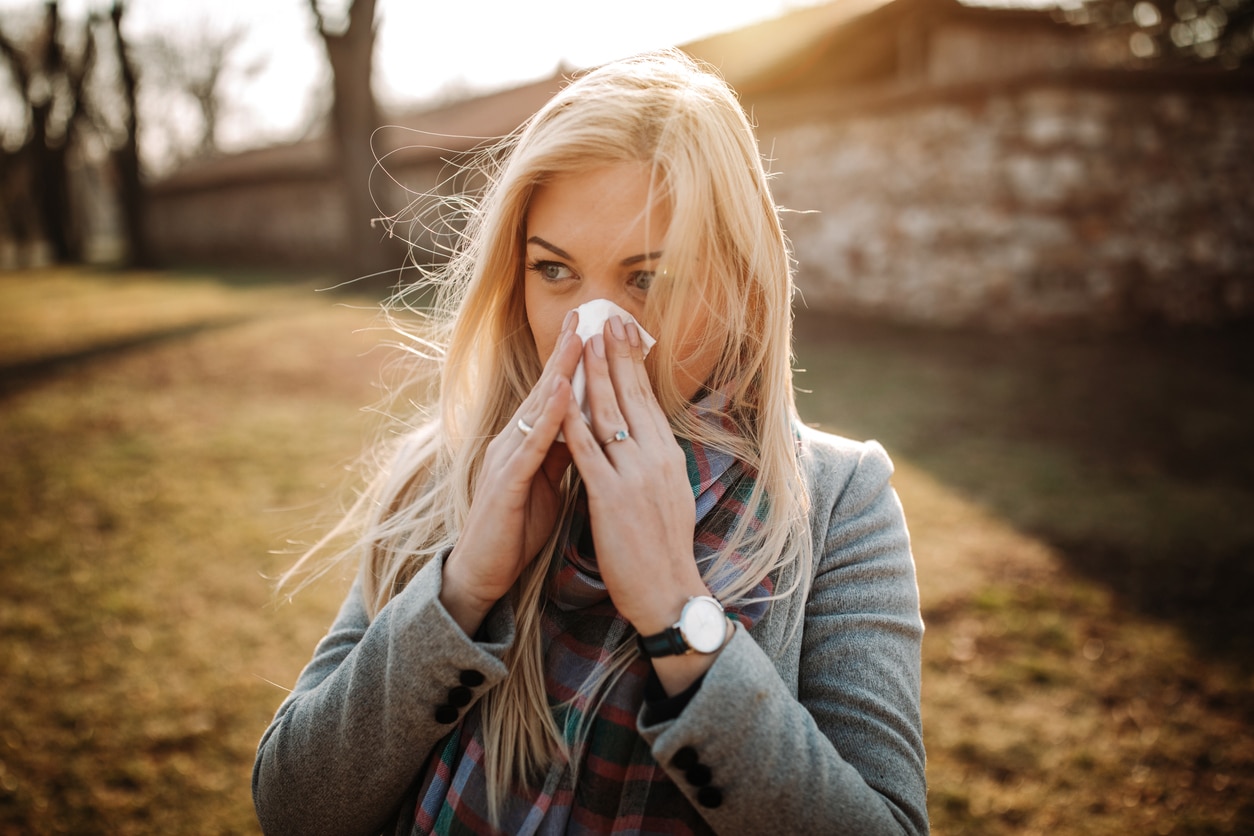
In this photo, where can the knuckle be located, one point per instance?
(637, 392)
(676, 458)
(635, 480)
(674, 467)
(628, 384)
(494, 446)
(583, 442)
(607, 416)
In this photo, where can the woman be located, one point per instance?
(689, 614)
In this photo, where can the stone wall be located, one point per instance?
(1108, 199)
(288, 219)
(1088, 201)
(295, 222)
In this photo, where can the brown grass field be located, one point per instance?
(1082, 510)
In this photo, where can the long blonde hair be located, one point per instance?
(725, 251)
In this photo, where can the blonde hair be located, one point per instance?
(725, 251)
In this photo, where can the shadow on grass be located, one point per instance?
(17, 377)
(1130, 454)
(376, 287)
(1206, 591)
(244, 277)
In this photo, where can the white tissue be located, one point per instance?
(592, 318)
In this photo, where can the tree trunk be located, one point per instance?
(354, 117)
(49, 152)
(132, 195)
(48, 157)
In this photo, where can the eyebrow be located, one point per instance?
(560, 253)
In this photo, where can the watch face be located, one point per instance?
(703, 625)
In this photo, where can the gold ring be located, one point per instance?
(621, 435)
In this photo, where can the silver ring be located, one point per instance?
(621, 435)
(524, 427)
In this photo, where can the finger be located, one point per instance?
(631, 382)
(585, 449)
(562, 362)
(661, 423)
(607, 417)
(532, 447)
(527, 426)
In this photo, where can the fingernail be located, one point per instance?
(633, 335)
(616, 328)
(570, 317)
(598, 345)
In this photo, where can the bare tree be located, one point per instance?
(50, 80)
(354, 117)
(70, 104)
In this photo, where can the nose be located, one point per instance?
(609, 287)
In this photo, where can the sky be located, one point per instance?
(424, 49)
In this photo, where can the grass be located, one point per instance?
(1080, 509)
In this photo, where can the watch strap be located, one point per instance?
(669, 642)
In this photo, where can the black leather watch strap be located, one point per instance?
(669, 642)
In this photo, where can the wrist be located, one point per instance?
(677, 673)
(662, 608)
(465, 608)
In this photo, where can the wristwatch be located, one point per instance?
(702, 628)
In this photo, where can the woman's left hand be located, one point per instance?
(639, 499)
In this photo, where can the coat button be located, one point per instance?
(684, 758)
(471, 678)
(459, 696)
(710, 797)
(446, 714)
(698, 774)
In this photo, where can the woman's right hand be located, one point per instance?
(517, 502)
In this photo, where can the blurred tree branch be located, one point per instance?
(194, 68)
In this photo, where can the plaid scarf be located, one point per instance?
(620, 788)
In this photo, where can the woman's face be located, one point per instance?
(593, 235)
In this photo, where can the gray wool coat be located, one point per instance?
(815, 730)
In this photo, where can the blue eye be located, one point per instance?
(642, 279)
(551, 271)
